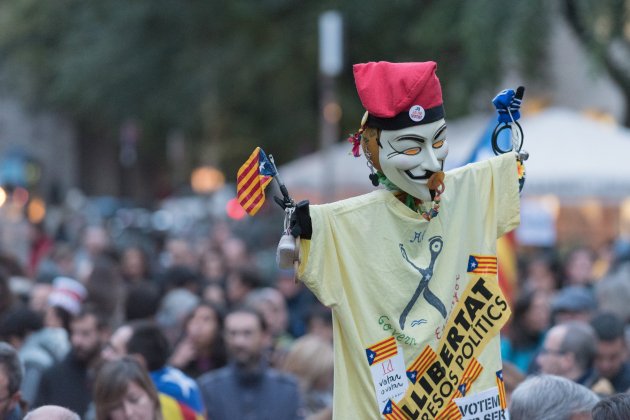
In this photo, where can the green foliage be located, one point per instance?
(243, 73)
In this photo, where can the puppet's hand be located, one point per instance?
(508, 104)
(300, 224)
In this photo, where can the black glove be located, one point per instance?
(300, 223)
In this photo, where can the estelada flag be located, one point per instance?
(252, 178)
(482, 264)
(382, 350)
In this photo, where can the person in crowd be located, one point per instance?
(38, 300)
(248, 386)
(64, 302)
(106, 290)
(239, 283)
(319, 322)
(134, 265)
(611, 357)
(38, 347)
(201, 348)
(613, 294)
(212, 267)
(299, 300)
(145, 341)
(178, 252)
(530, 320)
(52, 412)
(40, 244)
(270, 303)
(551, 397)
(175, 308)
(123, 390)
(6, 296)
(142, 301)
(11, 404)
(568, 351)
(578, 267)
(311, 361)
(215, 293)
(95, 242)
(59, 263)
(541, 273)
(573, 303)
(615, 407)
(181, 277)
(69, 383)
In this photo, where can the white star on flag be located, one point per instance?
(181, 380)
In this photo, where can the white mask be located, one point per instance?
(409, 156)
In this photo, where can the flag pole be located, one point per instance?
(287, 201)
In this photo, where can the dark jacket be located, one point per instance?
(67, 384)
(229, 393)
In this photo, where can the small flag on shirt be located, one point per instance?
(252, 178)
(469, 376)
(421, 364)
(451, 412)
(382, 350)
(393, 412)
(501, 387)
(482, 264)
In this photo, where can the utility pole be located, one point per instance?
(330, 65)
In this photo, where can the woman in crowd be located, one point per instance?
(531, 319)
(123, 390)
(201, 348)
(311, 361)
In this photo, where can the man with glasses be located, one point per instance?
(568, 351)
(10, 381)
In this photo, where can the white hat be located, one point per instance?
(68, 294)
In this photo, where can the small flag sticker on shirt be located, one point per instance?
(469, 376)
(482, 264)
(252, 178)
(382, 350)
(451, 412)
(501, 387)
(421, 364)
(393, 412)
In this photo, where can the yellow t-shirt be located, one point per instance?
(386, 272)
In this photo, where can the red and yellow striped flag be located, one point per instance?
(252, 178)
(382, 350)
(501, 386)
(421, 364)
(393, 412)
(451, 412)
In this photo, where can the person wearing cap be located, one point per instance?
(573, 303)
(409, 270)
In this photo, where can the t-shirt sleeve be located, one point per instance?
(506, 195)
(319, 260)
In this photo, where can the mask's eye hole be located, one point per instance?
(438, 144)
(413, 151)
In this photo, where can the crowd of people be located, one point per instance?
(197, 330)
(92, 330)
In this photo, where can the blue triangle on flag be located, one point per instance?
(472, 263)
(462, 389)
(413, 376)
(388, 407)
(371, 355)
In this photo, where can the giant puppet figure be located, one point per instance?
(410, 270)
